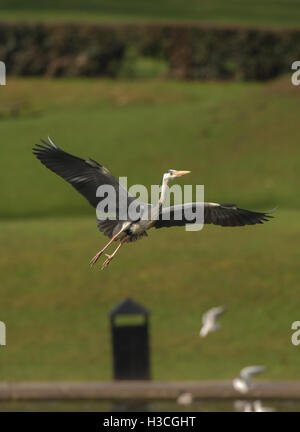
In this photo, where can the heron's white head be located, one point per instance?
(173, 174)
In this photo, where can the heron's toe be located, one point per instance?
(107, 261)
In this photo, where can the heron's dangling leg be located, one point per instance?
(96, 257)
(110, 257)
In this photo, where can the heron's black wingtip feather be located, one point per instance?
(251, 217)
(44, 147)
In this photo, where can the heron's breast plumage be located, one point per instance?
(136, 229)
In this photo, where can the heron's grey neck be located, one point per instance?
(155, 211)
(163, 195)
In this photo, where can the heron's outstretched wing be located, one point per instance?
(84, 175)
(248, 371)
(214, 213)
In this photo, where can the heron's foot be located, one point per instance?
(96, 257)
(107, 261)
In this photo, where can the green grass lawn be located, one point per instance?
(239, 139)
(55, 307)
(278, 13)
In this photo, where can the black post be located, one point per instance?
(130, 341)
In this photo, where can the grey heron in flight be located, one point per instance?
(87, 175)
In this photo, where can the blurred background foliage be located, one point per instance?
(189, 51)
(236, 131)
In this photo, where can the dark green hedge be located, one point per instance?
(190, 51)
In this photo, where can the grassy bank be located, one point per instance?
(240, 140)
(55, 307)
(278, 13)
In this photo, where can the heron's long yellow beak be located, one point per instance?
(181, 173)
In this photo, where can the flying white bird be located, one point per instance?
(209, 320)
(247, 406)
(243, 383)
(242, 406)
(185, 398)
(258, 407)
